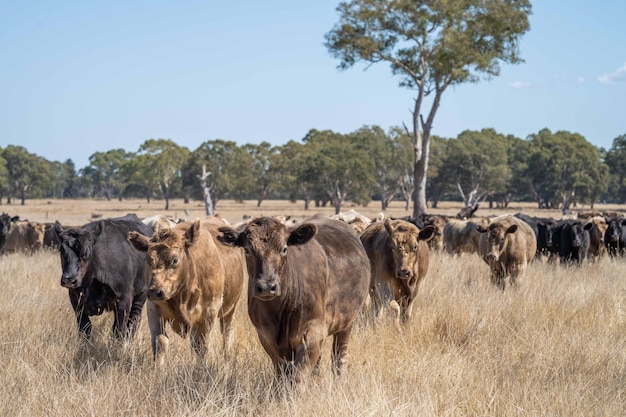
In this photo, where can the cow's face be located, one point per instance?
(266, 244)
(437, 240)
(614, 230)
(5, 223)
(166, 258)
(76, 248)
(496, 235)
(577, 233)
(546, 231)
(38, 230)
(404, 238)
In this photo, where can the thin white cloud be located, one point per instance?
(580, 80)
(615, 76)
(520, 84)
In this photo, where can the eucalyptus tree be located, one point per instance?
(615, 159)
(290, 172)
(64, 179)
(105, 171)
(223, 165)
(26, 172)
(387, 155)
(163, 160)
(441, 178)
(340, 167)
(4, 176)
(263, 171)
(431, 45)
(564, 168)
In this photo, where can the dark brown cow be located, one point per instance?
(507, 245)
(461, 236)
(25, 237)
(193, 283)
(5, 227)
(305, 283)
(399, 259)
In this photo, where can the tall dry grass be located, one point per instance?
(555, 346)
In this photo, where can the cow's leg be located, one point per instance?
(339, 354)
(84, 324)
(226, 324)
(134, 318)
(122, 312)
(199, 338)
(158, 338)
(308, 353)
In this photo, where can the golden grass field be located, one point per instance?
(555, 346)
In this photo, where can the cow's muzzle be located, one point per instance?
(155, 294)
(265, 290)
(404, 273)
(70, 281)
(491, 257)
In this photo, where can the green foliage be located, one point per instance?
(431, 45)
(105, 172)
(564, 168)
(615, 159)
(27, 173)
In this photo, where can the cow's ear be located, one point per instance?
(14, 219)
(512, 229)
(302, 234)
(58, 229)
(99, 228)
(588, 226)
(388, 226)
(229, 236)
(480, 229)
(624, 222)
(427, 233)
(192, 234)
(138, 241)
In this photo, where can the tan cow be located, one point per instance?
(25, 237)
(398, 256)
(461, 236)
(306, 283)
(597, 248)
(193, 283)
(507, 245)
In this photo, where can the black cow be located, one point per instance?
(103, 272)
(544, 231)
(571, 240)
(5, 226)
(615, 236)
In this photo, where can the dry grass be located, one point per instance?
(556, 346)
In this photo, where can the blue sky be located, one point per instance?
(78, 77)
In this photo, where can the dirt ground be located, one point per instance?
(81, 211)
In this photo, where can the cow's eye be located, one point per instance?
(284, 251)
(175, 261)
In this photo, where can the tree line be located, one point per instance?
(554, 169)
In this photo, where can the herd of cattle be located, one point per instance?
(305, 280)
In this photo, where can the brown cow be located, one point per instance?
(26, 237)
(507, 245)
(597, 248)
(305, 283)
(194, 281)
(460, 236)
(399, 259)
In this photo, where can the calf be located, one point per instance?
(305, 283)
(398, 256)
(615, 236)
(102, 272)
(507, 245)
(193, 283)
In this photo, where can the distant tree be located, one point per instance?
(26, 172)
(519, 185)
(432, 45)
(104, 170)
(291, 172)
(339, 165)
(385, 154)
(615, 159)
(564, 168)
(262, 172)
(164, 159)
(441, 179)
(4, 176)
(479, 162)
(138, 177)
(64, 180)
